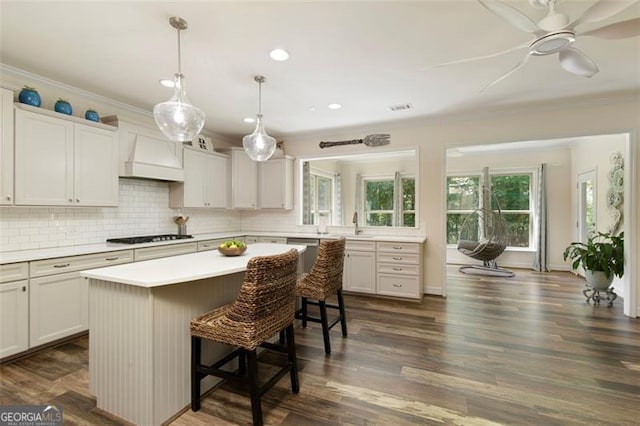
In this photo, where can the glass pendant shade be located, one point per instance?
(177, 118)
(259, 146)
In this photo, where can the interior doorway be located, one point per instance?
(587, 205)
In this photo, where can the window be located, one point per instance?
(514, 192)
(321, 198)
(379, 206)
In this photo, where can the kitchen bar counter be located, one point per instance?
(139, 350)
(49, 253)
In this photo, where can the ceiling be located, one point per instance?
(366, 56)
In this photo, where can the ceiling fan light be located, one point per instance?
(552, 43)
(259, 146)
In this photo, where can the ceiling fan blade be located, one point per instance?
(492, 55)
(624, 29)
(576, 62)
(603, 9)
(511, 15)
(514, 69)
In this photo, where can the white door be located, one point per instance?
(360, 271)
(216, 188)
(14, 317)
(587, 203)
(194, 179)
(6, 147)
(95, 167)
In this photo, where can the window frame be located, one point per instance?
(315, 212)
(504, 171)
(394, 214)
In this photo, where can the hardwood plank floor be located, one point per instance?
(526, 350)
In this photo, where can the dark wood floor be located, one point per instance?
(526, 350)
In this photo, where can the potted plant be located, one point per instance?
(601, 257)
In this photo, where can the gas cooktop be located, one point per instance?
(148, 239)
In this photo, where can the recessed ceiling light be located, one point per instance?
(312, 108)
(334, 106)
(249, 120)
(279, 55)
(167, 83)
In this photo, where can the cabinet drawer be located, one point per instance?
(14, 272)
(210, 244)
(273, 240)
(399, 258)
(391, 268)
(250, 239)
(360, 245)
(148, 253)
(394, 247)
(59, 265)
(399, 286)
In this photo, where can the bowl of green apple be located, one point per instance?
(232, 248)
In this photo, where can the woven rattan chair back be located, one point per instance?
(264, 306)
(325, 277)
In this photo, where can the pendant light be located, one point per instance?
(177, 118)
(259, 146)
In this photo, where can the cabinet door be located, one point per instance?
(6, 147)
(360, 271)
(275, 180)
(216, 186)
(43, 160)
(243, 181)
(14, 318)
(194, 179)
(59, 307)
(95, 166)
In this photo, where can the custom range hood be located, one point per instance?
(145, 153)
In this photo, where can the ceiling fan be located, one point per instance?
(556, 33)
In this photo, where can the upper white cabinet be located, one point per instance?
(244, 180)
(6, 147)
(205, 181)
(275, 181)
(59, 161)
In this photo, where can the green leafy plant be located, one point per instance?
(602, 252)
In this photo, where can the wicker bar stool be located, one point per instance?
(264, 307)
(324, 280)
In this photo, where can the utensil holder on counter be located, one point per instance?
(182, 229)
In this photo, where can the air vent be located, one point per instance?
(400, 107)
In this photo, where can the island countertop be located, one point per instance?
(186, 267)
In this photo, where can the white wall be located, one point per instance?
(559, 192)
(434, 137)
(592, 153)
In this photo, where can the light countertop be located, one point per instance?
(64, 251)
(186, 267)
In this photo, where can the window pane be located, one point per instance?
(517, 229)
(379, 195)
(462, 192)
(324, 193)
(408, 194)
(454, 227)
(512, 192)
(408, 219)
(379, 219)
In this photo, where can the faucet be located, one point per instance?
(355, 221)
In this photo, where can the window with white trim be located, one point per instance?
(514, 191)
(380, 206)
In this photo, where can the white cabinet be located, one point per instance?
(399, 269)
(59, 297)
(244, 180)
(360, 267)
(147, 253)
(205, 181)
(61, 162)
(211, 244)
(6, 147)
(275, 182)
(14, 308)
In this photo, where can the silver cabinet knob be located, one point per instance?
(71, 200)
(8, 197)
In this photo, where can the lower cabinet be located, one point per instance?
(211, 244)
(14, 309)
(360, 267)
(59, 307)
(399, 269)
(148, 253)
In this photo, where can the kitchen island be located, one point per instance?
(139, 345)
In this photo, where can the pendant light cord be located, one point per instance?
(260, 98)
(179, 54)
